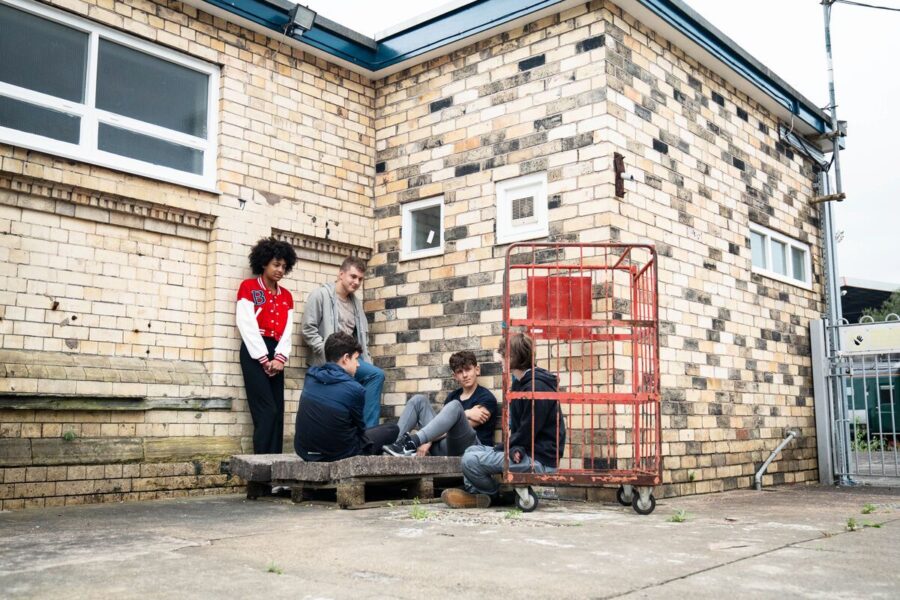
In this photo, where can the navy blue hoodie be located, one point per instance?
(547, 416)
(329, 420)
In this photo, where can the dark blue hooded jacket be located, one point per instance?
(546, 421)
(329, 420)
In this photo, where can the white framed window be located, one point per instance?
(780, 257)
(522, 212)
(79, 90)
(423, 228)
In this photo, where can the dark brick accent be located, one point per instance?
(530, 63)
(578, 141)
(407, 337)
(764, 128)
(456, 233)
(679, 97)
(591, 43)
(554, 201)
(660, 147)
(379, 167)
(463, 170)
(734, 248)
(385, 362)
(441, 104)
(454, 308)
(742, 114)
(738, 163)
(548, 122)
(422, 323)
(695, 83)
(642, 112)
(718, 99)
(399, 302)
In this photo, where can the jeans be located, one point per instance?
(451, 420)
(371, 378)
(481, 463)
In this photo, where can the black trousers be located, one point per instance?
(379, 436)
(265, 396)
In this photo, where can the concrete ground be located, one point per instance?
(783, 541)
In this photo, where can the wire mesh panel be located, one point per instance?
(591, 310)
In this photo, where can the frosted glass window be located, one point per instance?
(149, 149)
(779, 262)
(150, 89)
(423, 228)
(41, 55)
(758, 249)
(38, 120)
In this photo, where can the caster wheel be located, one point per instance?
(642, 508)
(620, 496)
(527, 505)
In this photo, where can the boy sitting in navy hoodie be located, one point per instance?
(329, 423)
(481, 463)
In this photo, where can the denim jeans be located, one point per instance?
(481, 463)
(371, 378)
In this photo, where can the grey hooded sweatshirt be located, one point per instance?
(320, 320)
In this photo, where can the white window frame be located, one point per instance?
(769, 235)
(91, 117)
(535, 185)
(406, 238)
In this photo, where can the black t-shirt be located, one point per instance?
(480, 397)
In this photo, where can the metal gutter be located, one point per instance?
(463, 22)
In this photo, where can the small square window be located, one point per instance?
(423, 229)
(522, 212)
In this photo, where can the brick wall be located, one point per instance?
(118, 291)
(561, 96)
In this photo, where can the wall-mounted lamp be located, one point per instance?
(301, 18)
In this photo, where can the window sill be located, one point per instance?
(782, 279)
(421, 254)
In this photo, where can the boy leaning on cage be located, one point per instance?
(468, 416)
(535, 425)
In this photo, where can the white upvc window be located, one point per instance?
(522, 212)
(780, 257)
(423, 228)
(79, 90)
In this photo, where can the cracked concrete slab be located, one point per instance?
(759, 544)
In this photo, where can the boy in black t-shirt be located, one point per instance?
(468, 417)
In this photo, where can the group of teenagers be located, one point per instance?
(340, 405)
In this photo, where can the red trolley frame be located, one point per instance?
(592, 312)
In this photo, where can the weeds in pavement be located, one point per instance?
(680, 516)
(417, 511)
(273, 568)
(868, 509)
(852, 525)
(513, 513)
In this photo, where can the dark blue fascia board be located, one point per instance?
(481, 15)
(684, 21)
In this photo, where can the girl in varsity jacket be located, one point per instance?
(264, 318)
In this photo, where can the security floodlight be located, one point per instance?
(301, 18)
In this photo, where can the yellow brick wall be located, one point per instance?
(560, 96)
(145, 304)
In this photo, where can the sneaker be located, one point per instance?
(405, 446)
(457, 498)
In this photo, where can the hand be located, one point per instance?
(274, 367)
(478, 415)
(423, 449)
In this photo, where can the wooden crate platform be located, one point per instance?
(357, 482)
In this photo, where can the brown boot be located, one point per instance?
(457, 498)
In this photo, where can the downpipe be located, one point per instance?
(762, 470)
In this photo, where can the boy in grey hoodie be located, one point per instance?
(336, 307)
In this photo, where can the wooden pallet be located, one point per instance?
(357, 482)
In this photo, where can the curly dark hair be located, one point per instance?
(338, 344)
(268, 249)
(462, 359)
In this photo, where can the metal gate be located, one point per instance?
(857, 390)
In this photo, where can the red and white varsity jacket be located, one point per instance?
(261, 313)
